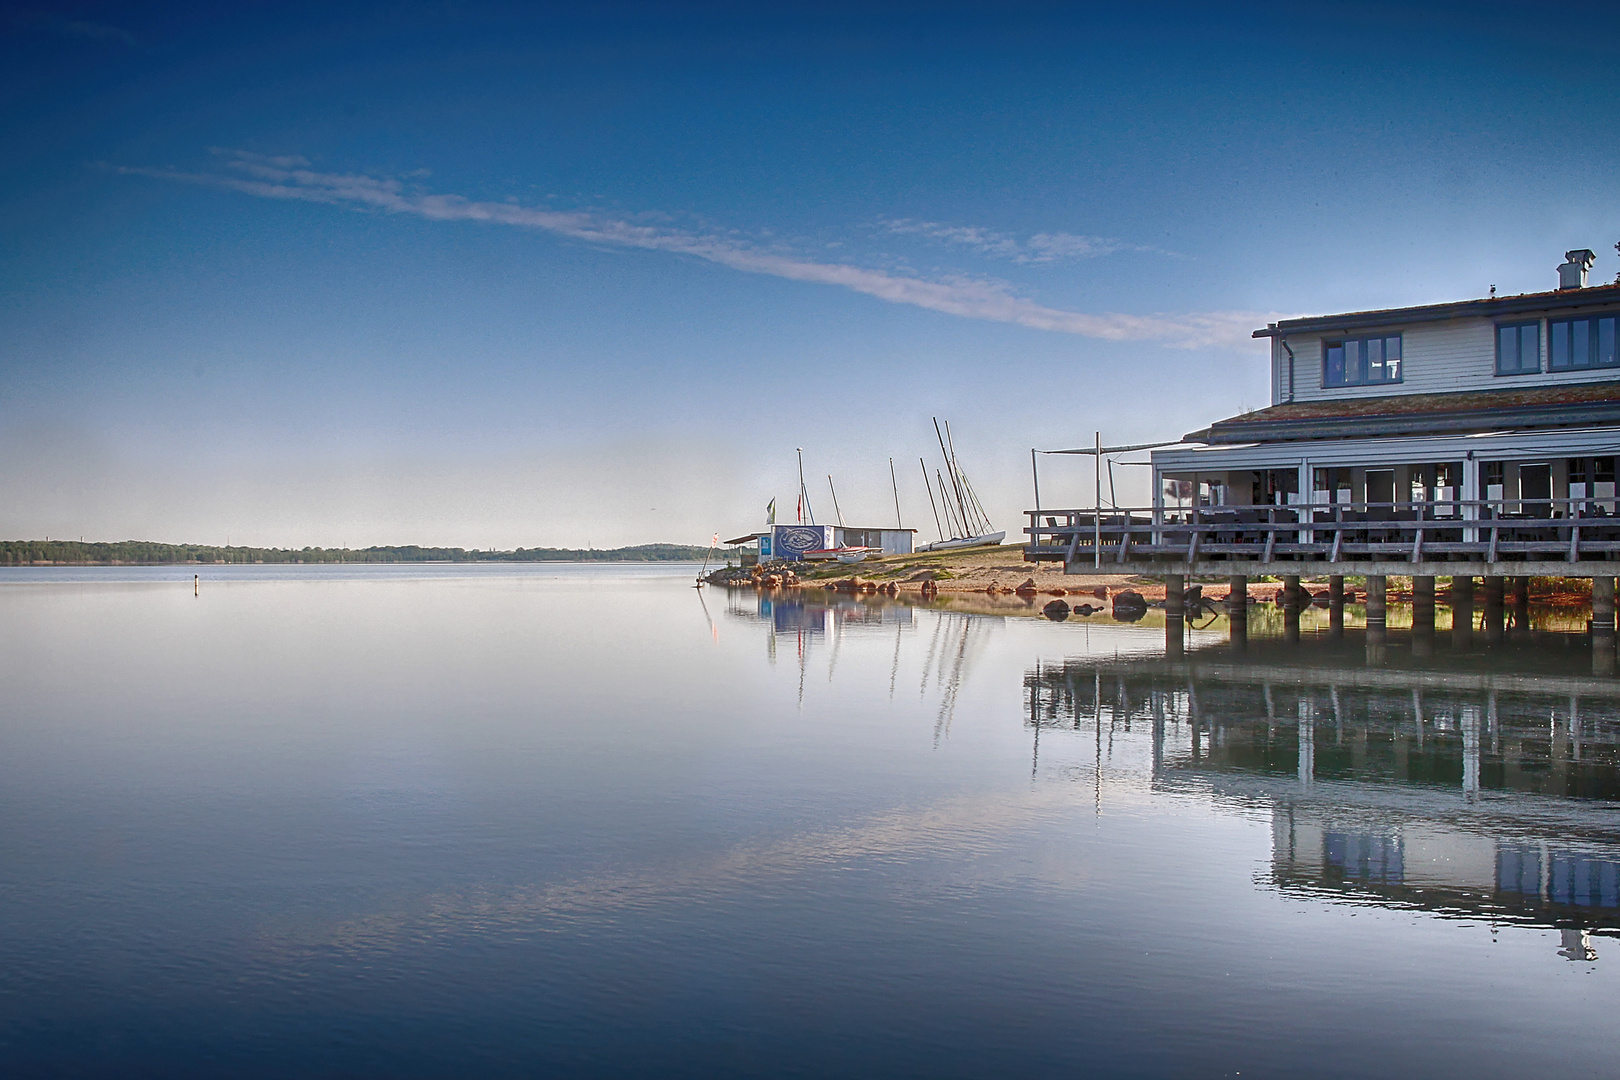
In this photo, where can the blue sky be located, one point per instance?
(498, 275)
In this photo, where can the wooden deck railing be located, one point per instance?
(1568, 530)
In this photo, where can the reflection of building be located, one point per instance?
(1476, 794)
(1419, 863)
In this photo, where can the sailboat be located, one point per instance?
(969, 524)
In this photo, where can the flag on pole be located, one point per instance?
(799, 517)
(770, 512)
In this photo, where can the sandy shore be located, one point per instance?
(993, 572)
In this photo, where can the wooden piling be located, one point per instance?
(1462, 612)
(1603, 628)
(1291, 606)
(1376, 619)
(1494, 628)
(1423, 616)
(1174, 615)
(1237, 610)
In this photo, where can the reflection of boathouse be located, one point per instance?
(1481, 794)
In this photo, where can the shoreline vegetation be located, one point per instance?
(146, 553)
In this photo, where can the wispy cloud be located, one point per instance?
(1041, 247)
(967, 297)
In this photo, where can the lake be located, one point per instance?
(587, 820)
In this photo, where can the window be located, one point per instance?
(1364, 361)
(1577, 344)
(1518, 348)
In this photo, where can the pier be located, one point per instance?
(1501, 543)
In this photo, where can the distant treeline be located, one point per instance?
(143, 553)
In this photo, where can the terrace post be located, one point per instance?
(1603, 626)
(1493, 609)
(1462, 612)
(1336, 606)
(1291, 605)
(1174, 616)
(1423, 616)
(1237, 610)
(1376, 642)
(1521, 606)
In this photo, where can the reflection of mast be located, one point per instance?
(947, 704)
(928, 665)
(801, 668)
(894, 669)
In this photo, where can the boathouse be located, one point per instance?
(790, 543)
(1468, 439)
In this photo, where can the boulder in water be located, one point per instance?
(1130, 606)
(1057, 611)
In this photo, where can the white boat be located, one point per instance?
(965, 518)
(964, 542)
(852, 557)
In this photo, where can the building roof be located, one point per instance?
(1577, 405)
(1494, 307)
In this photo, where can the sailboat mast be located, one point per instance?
(804, 493)
(950, 519)
(950, 463)
(929, 487)
(837, 512)
(895, 483)
(970, 500)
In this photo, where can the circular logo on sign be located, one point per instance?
(799, 539)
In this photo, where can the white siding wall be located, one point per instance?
(1436, 358)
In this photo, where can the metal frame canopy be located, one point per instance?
(1097, 453)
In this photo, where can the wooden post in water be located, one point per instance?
(1291, 606)
(1237, 610)
(1336, 606)
(1462, 612)
(1603, 626)
(1423, 616)
(1495, 630)
(1376, 619)
(1521, 606)
(1174, 616)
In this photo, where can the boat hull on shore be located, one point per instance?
(964, 542)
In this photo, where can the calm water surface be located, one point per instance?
(543, 820)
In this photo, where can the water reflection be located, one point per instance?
(1486, 792)
(799, 623)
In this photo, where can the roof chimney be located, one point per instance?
(1572, 274)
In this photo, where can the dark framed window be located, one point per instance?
(1518, 348)
(1363, 361)
(1578, 344)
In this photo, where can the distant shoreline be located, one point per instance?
(147, 553)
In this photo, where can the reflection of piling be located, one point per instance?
(1376, 619)
(1174, 615)
(1494, 628)
(1336, 606)
(1423, 616)
(1291, 605)
(1237, 610)
(1462, 612)
(1521, 606)
(1603, 625)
